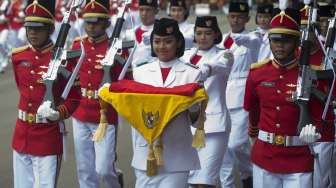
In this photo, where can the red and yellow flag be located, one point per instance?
(149, 109)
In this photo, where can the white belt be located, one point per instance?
(30, 117)
(89, 93)
(286, 141)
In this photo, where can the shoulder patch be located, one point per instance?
(260, 63)
(142, 63)
(20, 49)
(192, 65)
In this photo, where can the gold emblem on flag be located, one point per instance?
(208, 23)
(149, 1)
(150, 119)
(169, 30)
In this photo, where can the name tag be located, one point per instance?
(267, 84)
(24, 64)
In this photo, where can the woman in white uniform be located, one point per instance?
(218, 123)
(179, 11)
(167, 70)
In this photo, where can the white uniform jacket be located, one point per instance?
(187, 29)
(143, 50)
(243, 58)
(178, 154)
(217, 117)
(265, 49)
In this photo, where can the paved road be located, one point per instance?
(68, 179)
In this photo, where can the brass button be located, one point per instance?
(31, 87)
(278, 108)
(89, 59)
(92, 48)
(89, 72)
(277, 125)
(89, 84)
(278, 91)
(32, 72)
(281, 77)
(30, 104)
(36, 57)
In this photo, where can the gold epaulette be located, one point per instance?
(260, 63)
(20, 49)
(77, 39)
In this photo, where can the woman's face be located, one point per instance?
(178, 13)
(165, 47)
(205, 37)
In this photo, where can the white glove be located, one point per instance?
(221, 66)
(205, 71)
(241, 40)
(309, 134)
(45, 111)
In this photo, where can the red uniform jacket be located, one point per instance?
(90, 76)
(268, 94)
(15, 21)
(43, 138)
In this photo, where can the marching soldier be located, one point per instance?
(218, 123)
(167, 71)
(37, 141)
(16, 23)
(179, 11)
(281, 158)
(325, 13)
(3, 35)
(147, 11)
(324, 147)
(242, 44)
(263, 19)
(95, 160)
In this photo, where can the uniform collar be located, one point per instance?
(46, 48)
(146, 27)
(99, 39)
(288, 66)
(204, 52)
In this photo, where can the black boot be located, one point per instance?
(248, 182)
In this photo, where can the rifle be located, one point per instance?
(58, 62)
(116, 45)
(305, 88)
(328, 60)
(305, 79)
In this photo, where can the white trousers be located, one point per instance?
(35, 171)
(161, 180)
(211, 158)
(238, 152)
(95, 160)
(323, 164)
(265, 179)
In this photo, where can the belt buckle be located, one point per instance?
(30, 118)
(279, 140)
(89, 94)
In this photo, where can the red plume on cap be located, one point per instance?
(39, 11)
(96, 9)
(285, 22)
